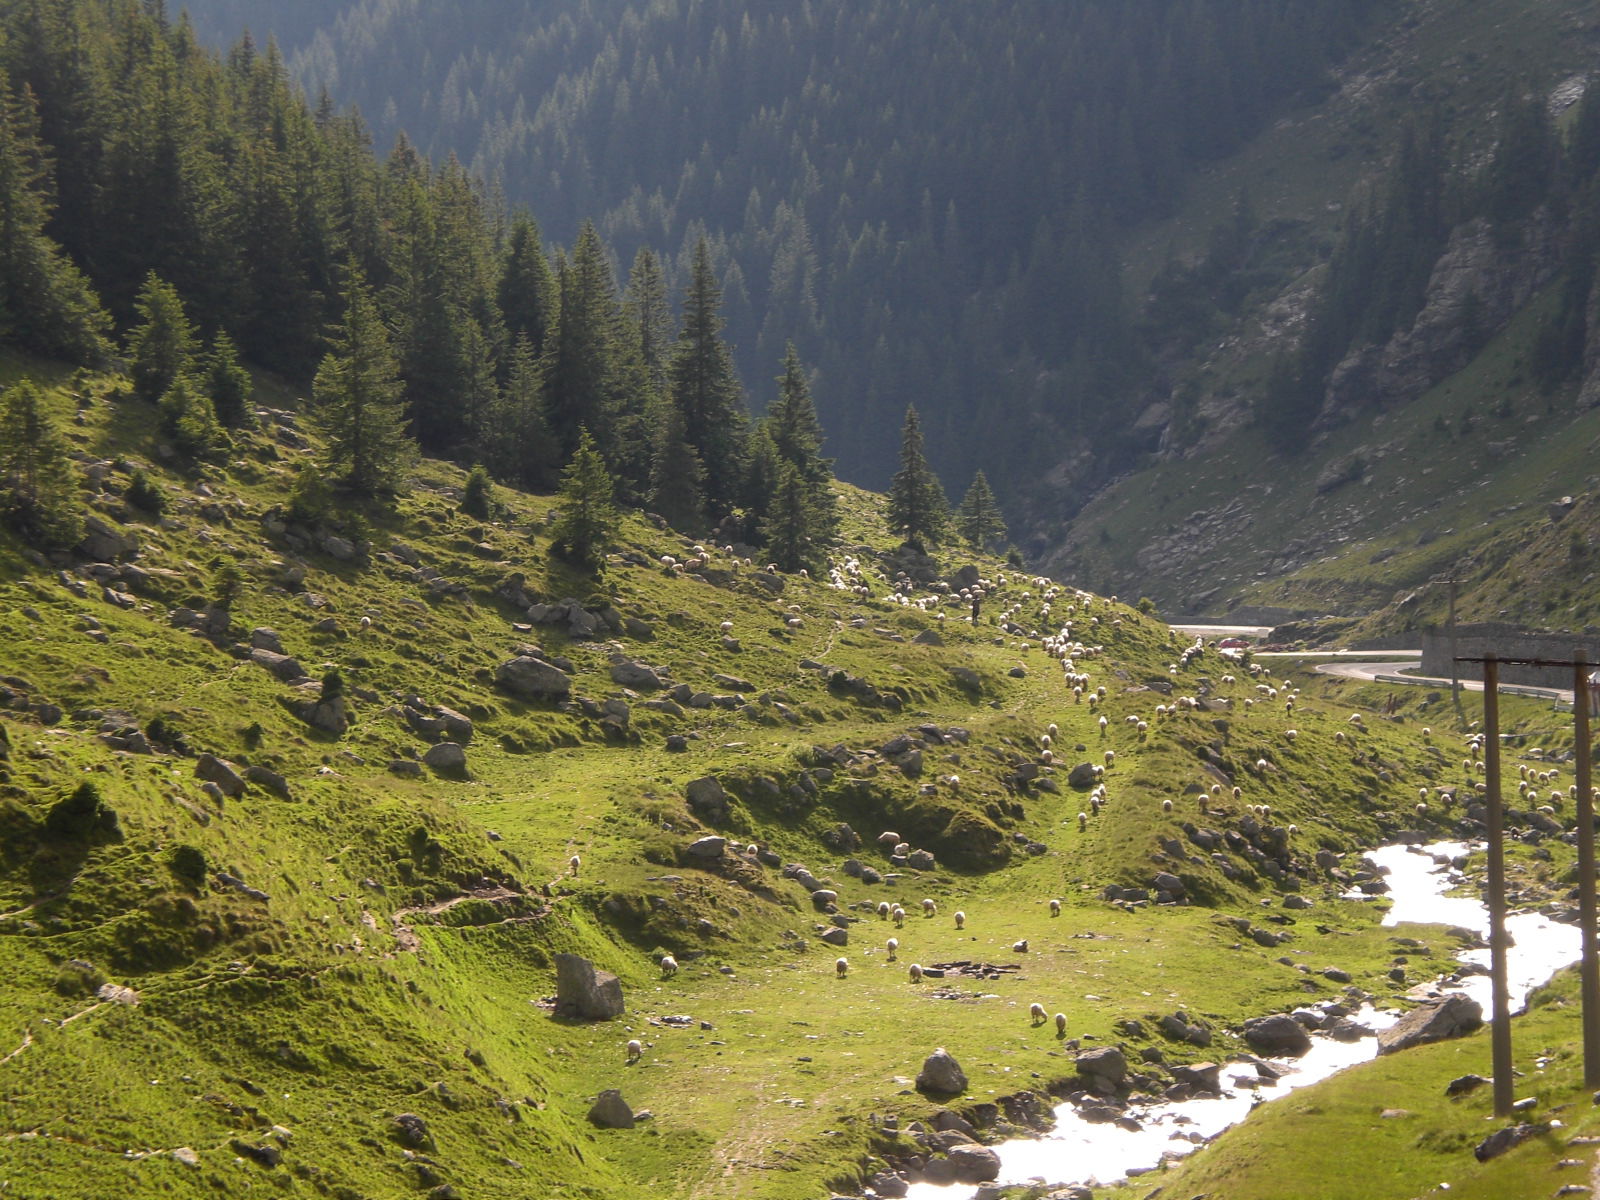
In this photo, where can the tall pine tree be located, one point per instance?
(368, 452)
(979, 520)
(161, 346)
(589, 516)
(917, 509)
(38, 492)
(703, 387)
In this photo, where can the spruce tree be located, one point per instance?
(188, 417)
(517, 446)
(647, 317)
(918, 509)
(38, 492)
(581, 371)
(703, 387)
(589, 515)
(228, 384)
(46, 305)
(797, 440)
(795, 531)
(357, 390)
(979, 520)
(161, 346)
(525, 289)
(677, 476)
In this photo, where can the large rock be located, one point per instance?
(1450, 1017)
(585, 993)
(1082, 776)
(611, 1111)
(1501, 1140)
(941, 1074)
(636, 675)
(214, 770)
(974, 1164)
(446, 756)
(530, 678)
(102, 543)
(281, 665)
(1105, 1065)
(707, 799)
(711, 846)
(1277, 1036)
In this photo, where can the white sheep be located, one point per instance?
(893, 947)
(1051, 729)
(915, 971)
(573, 863)
(1103, 724)
(899, 916)
(1166, 806)
(669, 965)
(726, 627)
(1083, 821)
(1036, 1012)
(961, 920)
(1061, 1024)
(635, 1050)
(883, 910)
(929, 908)
(1055, 908)
(841, 966)
(1111, 757)
(1044, 742)
(366, 622)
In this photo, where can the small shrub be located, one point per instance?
(82, 814)
(477, 499)
(189, 864)
(145, 495)
(311, 498)
(78, 978)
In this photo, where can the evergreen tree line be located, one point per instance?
(1377, 277)
(927, 198)
(203, 207)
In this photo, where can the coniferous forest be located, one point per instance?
(927, 200)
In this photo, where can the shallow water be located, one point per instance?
(1078, 1152)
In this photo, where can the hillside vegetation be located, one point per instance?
(356, 937)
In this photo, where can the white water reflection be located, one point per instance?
(1079, 1152)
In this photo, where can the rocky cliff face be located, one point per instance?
(1478, 284)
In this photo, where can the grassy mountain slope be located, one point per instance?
(393, 952)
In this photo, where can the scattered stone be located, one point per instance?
(215, 770)
(707, 847)
(637, 675)
(411, 1130)
(268, 779)
(405, 768)
(1501, 1140)
(707, 799)
(530, 678)
(1278, 1035)
(973, 1163)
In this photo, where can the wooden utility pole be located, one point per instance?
(1500, 1016)
(1455, 666)
(1589, 969)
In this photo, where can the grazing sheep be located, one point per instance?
(635, 1050)
(669, 965)
(1083, 821)
(883, 910)
(929, 908)
(366, 622)
(961, 920)
(1111, 757)
(1339, 736)
(1055, 908)
(1046, 757)
(1205, 803)
(899, 915)
(1422, 808)
(1020, 946)
(1044, 742)
(893, 947)
(1103, 724)
(1036, 1012)
(726, 627)
(573, 863)
(1262, 764)
(915, 971)
(1426, 732)
(1166, 806)
(1238, 794)
(1061, 1024)
(1291, 734)
(841, 966)
(1051, 729)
